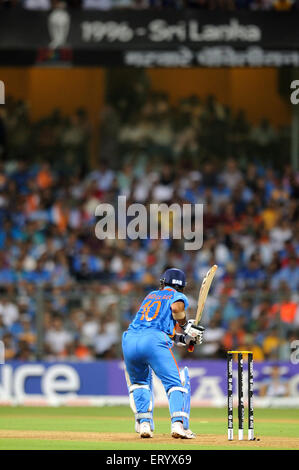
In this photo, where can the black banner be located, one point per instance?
(149, 38)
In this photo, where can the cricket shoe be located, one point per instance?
(190, 434)
(178, 431)
(145, 430)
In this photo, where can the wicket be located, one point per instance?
(240, 395)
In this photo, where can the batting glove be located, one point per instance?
(179, 339)
(193, 333)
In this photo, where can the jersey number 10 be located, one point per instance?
(148, 307)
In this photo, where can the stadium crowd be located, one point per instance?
(228, 5)
(88, 289)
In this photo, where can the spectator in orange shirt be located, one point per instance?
(234, 337)
(282, 5)
(44, 178)
(286, 310)
(60, 215)
(77, 351)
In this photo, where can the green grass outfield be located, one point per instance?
(112, 428)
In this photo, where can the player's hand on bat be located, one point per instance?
(193, 333)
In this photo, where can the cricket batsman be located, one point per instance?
(147, 347)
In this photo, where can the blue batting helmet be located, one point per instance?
(174, 277)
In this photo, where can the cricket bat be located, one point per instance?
(202, 297)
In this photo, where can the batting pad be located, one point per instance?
(141, 400)
(187, 396)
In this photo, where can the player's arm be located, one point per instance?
(178, 312)
(191, 332)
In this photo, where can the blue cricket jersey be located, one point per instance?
(155, 311)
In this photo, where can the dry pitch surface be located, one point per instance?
(112, 428)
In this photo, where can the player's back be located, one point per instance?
(155, 311)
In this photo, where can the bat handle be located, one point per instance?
(191, 347)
